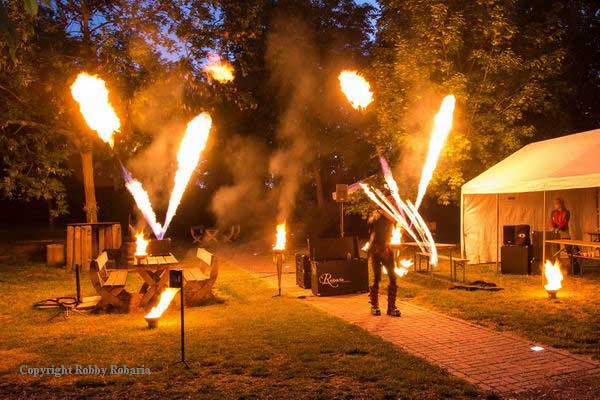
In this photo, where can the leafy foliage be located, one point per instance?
(502, 60)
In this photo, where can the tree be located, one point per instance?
(44, 48)
(503, 60)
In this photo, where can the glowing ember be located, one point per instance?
(92, 95)
(280, 237)
(190, 149)
(165, 299)
(396, 235)
(442, 123)
(356, 88)
(366, 246)
(142, 201)
(553, 276)
(141, 244)
(217, 69)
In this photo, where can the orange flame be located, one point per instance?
(141, 244)
(366, 246)
(92, 95)
(402, 270)
(218, 69)
(356, 88)
(165, 299)
(188, 156)
(442, 123)
(280, 237)
(553, 276)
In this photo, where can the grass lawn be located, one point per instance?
(249, 346)
(571, 322)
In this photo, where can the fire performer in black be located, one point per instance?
(381, 254)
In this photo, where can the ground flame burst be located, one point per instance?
(356, 88)
(141, 244)
(442, 123)
(190, 149)
(280, 237)
(218, 69)
(553, 276)
(92, 95)
(165, 299)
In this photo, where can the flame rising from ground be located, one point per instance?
(141, 244)
(356, 88)
(396, 235)
(280, 237)
(553, 275)
(218, 69)
(92, 95)
(190, 149)
(442, 123)
(165, 299)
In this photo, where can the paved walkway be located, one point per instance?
(500, 362)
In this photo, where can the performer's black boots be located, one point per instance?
(374, 300)
(392, 310)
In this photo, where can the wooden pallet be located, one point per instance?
(86, 241)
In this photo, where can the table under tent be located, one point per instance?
(521, 190)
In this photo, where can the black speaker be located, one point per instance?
(302, 270)
(322, 249)
(508, 235)
(519, 235)
(523, 235)
(515, 259)
(330, 278)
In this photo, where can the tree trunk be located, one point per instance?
(319, 186)
(91, 208)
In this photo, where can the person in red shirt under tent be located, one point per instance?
(559, 220)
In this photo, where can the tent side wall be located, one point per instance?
(479, 218)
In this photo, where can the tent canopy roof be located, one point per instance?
(567, 162)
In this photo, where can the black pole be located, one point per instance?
(77, 283)
(182, 329)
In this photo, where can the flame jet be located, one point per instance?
(442, 123)
(92, 95)
(191, 147)
(280, 237)
(142, 201)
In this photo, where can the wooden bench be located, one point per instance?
(110, 284)
(198, 281)
(455, 264)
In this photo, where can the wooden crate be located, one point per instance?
(86, 241)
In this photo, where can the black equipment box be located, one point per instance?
(515, 260)
(303, 270)
(335, 277)
(323, 249)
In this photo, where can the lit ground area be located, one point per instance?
(249, 346)
(572, 322)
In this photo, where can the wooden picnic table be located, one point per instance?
(154, 270)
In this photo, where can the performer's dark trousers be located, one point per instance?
(382, 257)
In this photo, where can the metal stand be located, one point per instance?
(68, 308)
(279, 263)
(182, 361)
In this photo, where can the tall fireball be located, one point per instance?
(92, 95)
(356, 88)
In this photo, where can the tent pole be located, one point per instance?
(543, 234)
(497, 230)
(462, 224)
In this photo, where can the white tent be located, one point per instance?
(520, 190)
